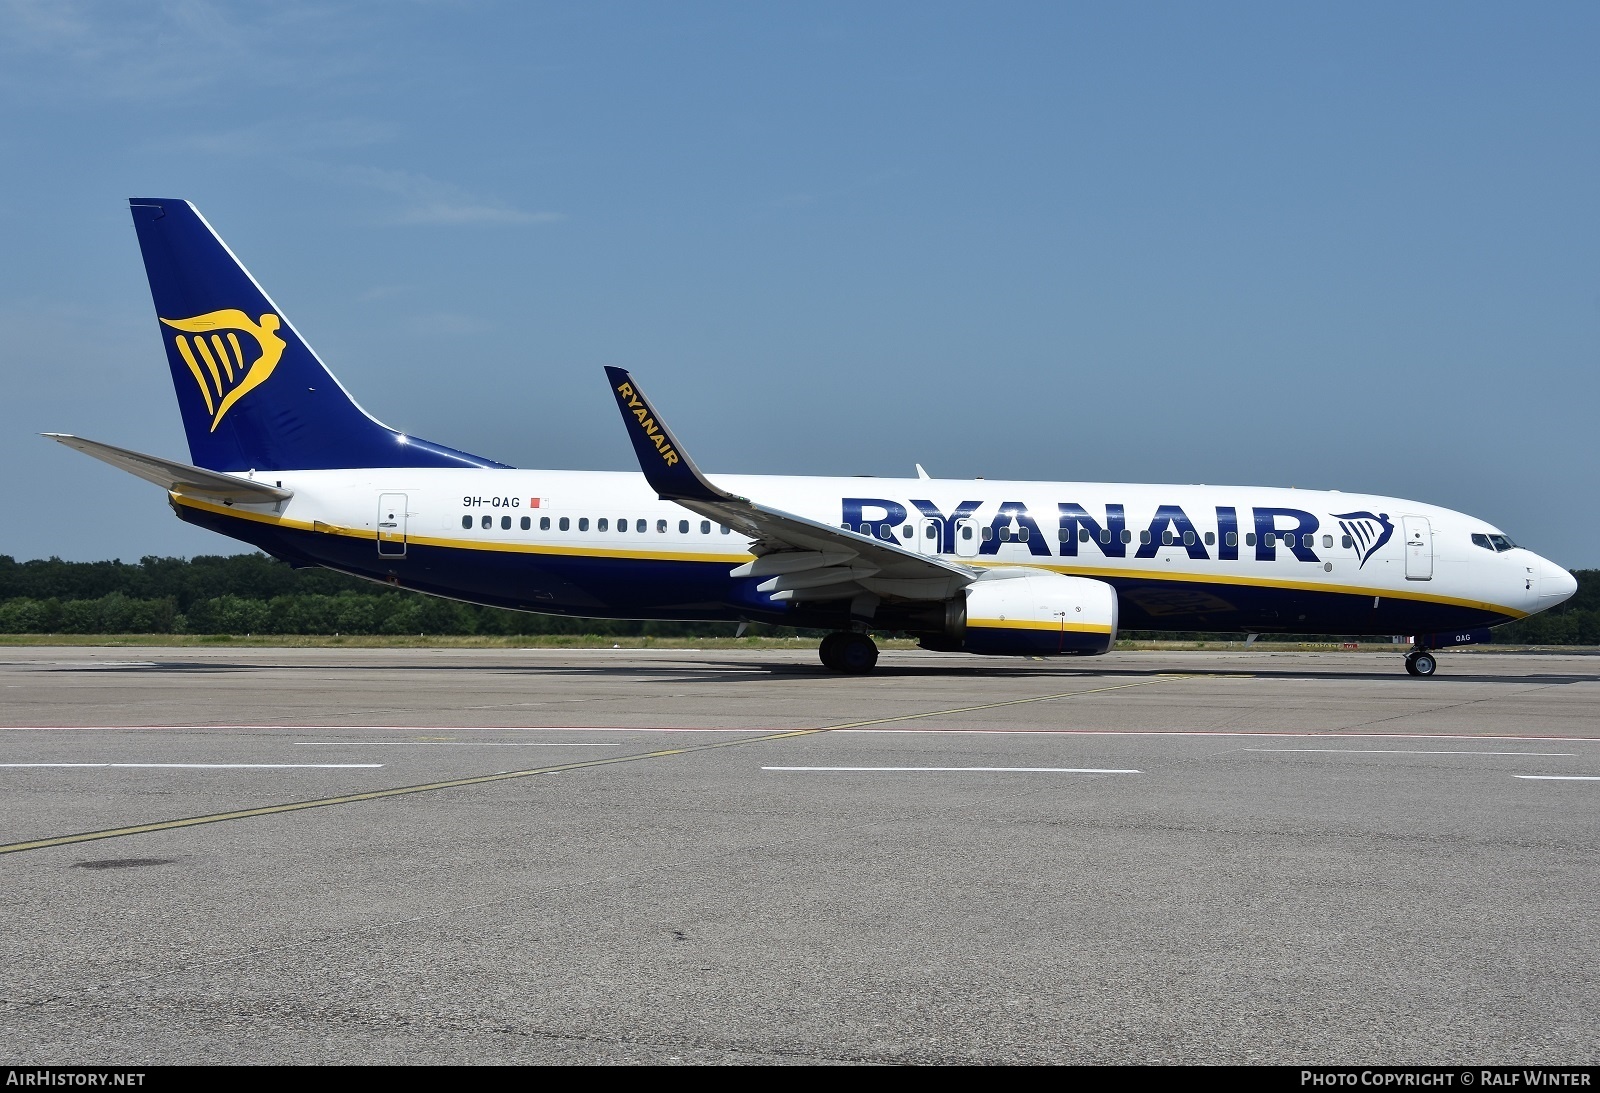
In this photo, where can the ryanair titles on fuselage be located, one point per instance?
(1267, 528)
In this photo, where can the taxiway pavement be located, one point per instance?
(272, 855)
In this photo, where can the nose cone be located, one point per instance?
(1556, 585)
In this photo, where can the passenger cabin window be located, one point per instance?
(1211, 538)
(1083, 535)
(1127, 536)
(1288, 538)
(1144, 537)
(1327, 542)
(1231, 539)
(487, 520)
(929, 532)
(505, 523)
(661, 527)
(544, 523)
(641, 526)
(683, 527)
(705, 527)
(1105, 534)
(603, 524)
(565, 523)
(1022, 535)
(988, 534)
(966, 533)
(583, 523)
(1005, 535)
(905, 532)
(1249, 538)
(1166, 538)
(466, 522)
(1269, 538)
(1346, 542)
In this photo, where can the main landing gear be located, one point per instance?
(1420, 662)
(850, 653)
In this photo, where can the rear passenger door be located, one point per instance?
(392, 525)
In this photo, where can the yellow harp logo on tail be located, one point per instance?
(210, 345)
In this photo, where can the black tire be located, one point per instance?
(1424, 665)
(1411, 664)
(856, 654)
(828, 651)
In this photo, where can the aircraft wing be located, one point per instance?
(178, 477)
(803, 559)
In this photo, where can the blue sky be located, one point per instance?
(1349, 246)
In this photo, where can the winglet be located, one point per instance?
(667, 467)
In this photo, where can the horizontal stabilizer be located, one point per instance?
(178, 477)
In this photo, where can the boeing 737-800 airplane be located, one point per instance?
(285, 459)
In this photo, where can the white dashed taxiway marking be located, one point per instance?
(1398, 751)
(451, 744)
(1002, 770)
(211, 766)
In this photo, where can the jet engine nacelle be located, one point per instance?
(1035, 613)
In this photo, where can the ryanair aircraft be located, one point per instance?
(284, 459)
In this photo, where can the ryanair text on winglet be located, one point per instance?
(648, 424)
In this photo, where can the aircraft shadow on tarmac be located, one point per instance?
(710, 670)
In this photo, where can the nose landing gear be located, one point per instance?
(1420, 662)
(850, 653)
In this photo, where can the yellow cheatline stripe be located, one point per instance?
(505, 776)
(1054, 627)
(737, 559)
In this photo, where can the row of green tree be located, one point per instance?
(255, 594)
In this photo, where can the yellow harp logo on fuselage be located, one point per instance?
(210, 345)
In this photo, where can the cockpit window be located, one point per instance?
(1498, 543)
(1482, 541)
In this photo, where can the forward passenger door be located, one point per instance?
(1419, 548)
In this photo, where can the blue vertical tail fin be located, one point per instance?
(253, 394)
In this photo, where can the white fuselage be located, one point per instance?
(1215, 547)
